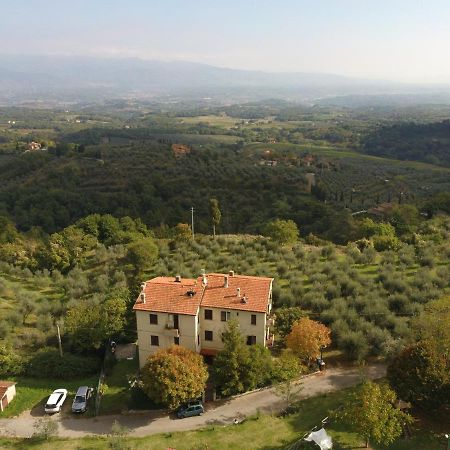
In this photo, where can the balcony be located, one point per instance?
(171, 331)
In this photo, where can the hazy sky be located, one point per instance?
(396, 39)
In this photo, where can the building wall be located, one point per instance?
(217, 326)
(187, 333)
(11, 392)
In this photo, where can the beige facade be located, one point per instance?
(217, 325)
(155, 336)
(194, 313)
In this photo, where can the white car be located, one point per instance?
(55, 401)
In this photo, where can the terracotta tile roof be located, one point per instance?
(255, 289)
(164, 294)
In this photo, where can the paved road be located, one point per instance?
(220, 413)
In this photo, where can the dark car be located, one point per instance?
(80, 401)
(190, 409)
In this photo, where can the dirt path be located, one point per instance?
(220, 413)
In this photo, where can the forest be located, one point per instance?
(414, 141)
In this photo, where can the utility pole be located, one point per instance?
(59, 341)
(192, 222)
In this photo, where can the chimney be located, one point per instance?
(231, 273)
(225, 281)
(177, 279)
(244, 299)
(204, 278)
(142, 297)
(238, 292)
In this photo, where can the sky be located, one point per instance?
(403, 40)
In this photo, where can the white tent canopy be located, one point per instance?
(321, 438)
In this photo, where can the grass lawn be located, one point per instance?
(264, 432)
(32, 393)
(119, 397)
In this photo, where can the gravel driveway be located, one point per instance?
(219, 413)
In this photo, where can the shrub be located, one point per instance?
(354, 344)
(47, 363)
(11, 364)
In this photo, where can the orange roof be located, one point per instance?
(256, 291)
(165, 294)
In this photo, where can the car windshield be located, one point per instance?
(79, 399)
(50, 405)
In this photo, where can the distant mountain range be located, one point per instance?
(78, 78)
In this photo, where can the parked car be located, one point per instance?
(55, 401)
(79, 404)
(190, 409)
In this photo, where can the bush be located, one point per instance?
(47, 363)
(354, 344)
(11, 364)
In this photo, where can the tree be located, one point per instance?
(285, 232)
(370, 411)
(421, 372)
(174, 376)
(240, 367)
(285, 318)
(371, 228)
(11, 363)
(288, 390)
(287, 366)
(384, 242)
(405, 218)
(90, 323)
(306, 338)
(216, 215)
(433, 325)
(141, 254)
(183, 232)
(421, 376)
(27, 302)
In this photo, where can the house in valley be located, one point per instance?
(194, 312)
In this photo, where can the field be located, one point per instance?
(262, 432)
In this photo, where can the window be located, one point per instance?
(153, 319)
(208, 314)
(208, 335)
(253, 320)
(251, 340)
(225, 316)
(154, 340)
(176, 340)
